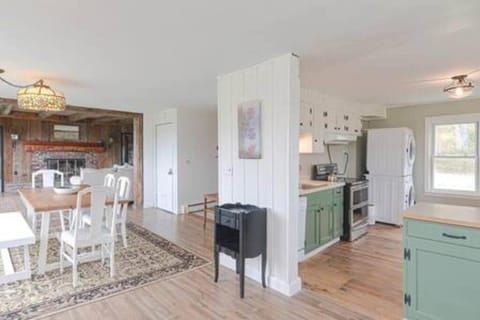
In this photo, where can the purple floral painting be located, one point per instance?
(249, 130)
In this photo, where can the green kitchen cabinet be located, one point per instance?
(311, 232)
(441, 271)
(325, 224)
(324, 217)
(337, 217)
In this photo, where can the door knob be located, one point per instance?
(170, 171)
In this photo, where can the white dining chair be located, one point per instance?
(47, 181)
(109, 180)
(75, 180)
(48, 178)
(122, 190)
(89, 237)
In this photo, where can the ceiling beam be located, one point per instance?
(80, 116)
(20, 115)
(45, 115)
(96, 111)
(6, 108)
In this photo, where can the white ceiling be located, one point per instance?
(149, 55)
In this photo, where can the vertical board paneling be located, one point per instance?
(280, 154)
(265, 167)
(238, 165)
(251, 165)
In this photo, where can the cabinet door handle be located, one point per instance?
(454, 236)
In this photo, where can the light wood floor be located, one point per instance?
(339, 288)
(365, 275)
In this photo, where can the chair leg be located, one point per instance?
(205, 208)
(102, 253)
(124, 234)
(112, 259)
(74, 267)
(62, 252)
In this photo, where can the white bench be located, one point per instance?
(14, 232)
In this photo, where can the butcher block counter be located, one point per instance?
(441, 262)
(442, 213)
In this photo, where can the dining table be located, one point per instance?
(44, 202)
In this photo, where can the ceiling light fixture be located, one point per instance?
(460, 87)
(37, 96)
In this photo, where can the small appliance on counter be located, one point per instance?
(355, 220)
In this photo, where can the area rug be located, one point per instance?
(147, 258)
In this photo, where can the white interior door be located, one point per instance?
(164, 164)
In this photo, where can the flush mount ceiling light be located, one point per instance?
(37, 96)
(460, 87)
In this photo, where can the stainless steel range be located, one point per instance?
(355, 220)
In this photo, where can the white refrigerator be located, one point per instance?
(390, 160)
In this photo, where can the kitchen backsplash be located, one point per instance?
(337, 152)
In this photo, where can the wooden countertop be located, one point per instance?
(443, 213)
(46, 200)
(318, 186)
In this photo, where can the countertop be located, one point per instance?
(442, 213)
(322, 185)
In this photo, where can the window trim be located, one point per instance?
(430, 122)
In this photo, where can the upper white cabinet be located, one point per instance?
(311, 134)
(317, 120)
(306, 117)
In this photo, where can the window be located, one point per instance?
(452, 165)
(66, 132)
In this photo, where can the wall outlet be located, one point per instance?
(229, 171)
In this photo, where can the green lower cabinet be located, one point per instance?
(324, 220)
(325, 225)
(311, 232)
(441, 279)
(337, 218)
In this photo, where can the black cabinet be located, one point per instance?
(241, 233)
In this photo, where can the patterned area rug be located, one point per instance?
(147, 258)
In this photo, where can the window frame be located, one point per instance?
(430, 123)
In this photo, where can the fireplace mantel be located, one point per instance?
(62, 146)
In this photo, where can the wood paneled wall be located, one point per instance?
(17, 162)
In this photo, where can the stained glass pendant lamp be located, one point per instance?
(38, 97)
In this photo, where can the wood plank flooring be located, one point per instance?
(365, 275)
(350, 281)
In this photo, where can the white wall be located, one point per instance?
(197, 155)
(195, 165)
(271, 181)
(337, 152)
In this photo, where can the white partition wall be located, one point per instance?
(271, 181)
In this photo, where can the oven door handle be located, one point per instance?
(357, 188)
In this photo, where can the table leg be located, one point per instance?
(205, 208)
(26, 260)
(42, 254)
